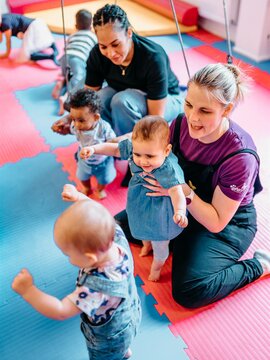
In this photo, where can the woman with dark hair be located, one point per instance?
(131, 73)
(137, 72)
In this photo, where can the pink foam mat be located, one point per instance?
(22, 76)
(25, 140)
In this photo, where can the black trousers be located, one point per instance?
(206, 265)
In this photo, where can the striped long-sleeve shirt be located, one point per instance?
(80, 43)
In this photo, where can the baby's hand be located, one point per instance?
(86, 152)
(180, 219)
(70, 193)
(22, 282)
(61, 127)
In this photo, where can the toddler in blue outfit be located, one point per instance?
(88, 127)
(105, 294)
(154, 220)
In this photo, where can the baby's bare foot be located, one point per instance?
(102, 194)
(146, 249)
(154, 275)
(155, 270)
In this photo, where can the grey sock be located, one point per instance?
(263, 256)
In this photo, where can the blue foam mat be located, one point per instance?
(172, 44)
(30, 203)
(42, 109)
(27, 335)
(28, 212)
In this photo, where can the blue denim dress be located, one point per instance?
(111, 340)
(151, 218)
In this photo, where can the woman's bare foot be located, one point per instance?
(146, 249)
(155, 270)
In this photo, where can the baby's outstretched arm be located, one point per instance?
(45, 304)
(110, 149)
(179, 205)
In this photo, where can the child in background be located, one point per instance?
(89, 129)
(73, 62)
(35, 36)
(106, 294)
(154, 220)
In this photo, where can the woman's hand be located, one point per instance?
(155, 187)
(22, 282)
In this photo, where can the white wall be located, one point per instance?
(3, 7)
(253, 31)
(248, 22)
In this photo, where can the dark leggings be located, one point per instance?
(206, 266)
(43, 56)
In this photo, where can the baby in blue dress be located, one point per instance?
(154, 220)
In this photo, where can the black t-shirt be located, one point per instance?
(148, 71)
(15, 22)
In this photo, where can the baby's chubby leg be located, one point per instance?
(161, 253)
(86, 187)
(146, 248)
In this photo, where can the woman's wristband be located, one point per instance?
(190, 197)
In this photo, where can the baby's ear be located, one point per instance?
(92, 257)
(168, 149)
(97, 117)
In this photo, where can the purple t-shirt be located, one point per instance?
(15, 22)
(236, 176)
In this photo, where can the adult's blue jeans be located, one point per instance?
(123, 109)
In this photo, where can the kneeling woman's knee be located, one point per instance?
(191, 296)
(119, 99)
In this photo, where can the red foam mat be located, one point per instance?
(25, 6)
(205, 36)
(260, 76)
(25, 140)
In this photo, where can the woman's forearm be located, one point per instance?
(215, 215)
